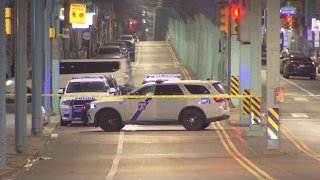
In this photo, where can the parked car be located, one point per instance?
(297, 64)
(109, 52)
(128, 37)
(123, 47)
(131, 49)
(10, 87)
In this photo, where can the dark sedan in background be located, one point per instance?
(297, 64)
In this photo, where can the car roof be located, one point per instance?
(87, 80)
(109, 46)
(185, 82)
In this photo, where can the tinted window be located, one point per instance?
(219, 88)
(168, 90)
(197, 89)
(88, 67)
(109, 51)
(75, 87)
(300, 59)
(149, 90)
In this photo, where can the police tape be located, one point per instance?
(165, 96)
(92, 95)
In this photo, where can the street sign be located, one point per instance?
(86, 36)
(77, 13)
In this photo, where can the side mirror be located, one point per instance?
(112, 90)
(61, 91)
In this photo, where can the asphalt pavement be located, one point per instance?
(16, 161)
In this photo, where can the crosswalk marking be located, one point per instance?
(299, 115)
(300, 99)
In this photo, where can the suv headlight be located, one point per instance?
(92, 105)
(66, 102)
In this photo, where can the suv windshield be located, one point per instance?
(75, 87)
(126, 38)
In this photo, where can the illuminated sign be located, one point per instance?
(288, 10)
(77, 13)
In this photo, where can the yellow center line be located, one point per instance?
(229, 146)
(234, 156)
(256, 169)
(300, 145)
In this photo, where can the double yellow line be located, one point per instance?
(176, 63)
(299, 144)
(225, 139)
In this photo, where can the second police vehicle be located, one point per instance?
(81, 90)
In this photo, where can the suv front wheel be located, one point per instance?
(109, 120)
(192, 119)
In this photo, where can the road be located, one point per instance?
(222, 151)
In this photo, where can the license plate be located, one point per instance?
(77, 110)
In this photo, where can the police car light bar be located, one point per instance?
(89, 76)
(161, 76)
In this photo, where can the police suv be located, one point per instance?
(163, 102)
(81, 90)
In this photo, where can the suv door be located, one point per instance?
(141, 109)
(168, 109)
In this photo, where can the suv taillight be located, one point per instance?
(219, 100)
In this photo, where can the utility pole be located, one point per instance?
(3, 72)
(37, 51)
(20, 76)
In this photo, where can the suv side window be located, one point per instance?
(168, 90)
(149, 90)
(197, 89)
(219, 88)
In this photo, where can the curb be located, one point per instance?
(7, 172)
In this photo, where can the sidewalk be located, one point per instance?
(34, 144)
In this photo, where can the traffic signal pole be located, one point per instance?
(20, 75)
(3, 71)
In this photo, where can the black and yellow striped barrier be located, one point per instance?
(273, 124)
(234, 85)
(255, 111)
(246, 102)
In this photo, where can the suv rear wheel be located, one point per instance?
(109, 120)
(192, 119)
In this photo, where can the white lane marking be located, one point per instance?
(300, 99)
(297, 119)
(116, 160)
(309, 93)
(138, 60)
(299, 115)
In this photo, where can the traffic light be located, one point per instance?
(235, 11)
(224, 19)
(287, 21)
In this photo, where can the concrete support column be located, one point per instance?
(273, 66)
(20, 76)
(3, 71)
(255, 61)
(37, 51)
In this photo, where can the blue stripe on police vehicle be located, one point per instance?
(141, 107)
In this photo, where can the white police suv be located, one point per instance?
(81, 90)
(162, 103)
